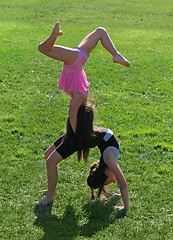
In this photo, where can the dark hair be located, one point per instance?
(84, 130)
(97, 178)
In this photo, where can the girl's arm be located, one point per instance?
(123, 186)
(75, 103)
(115, 168)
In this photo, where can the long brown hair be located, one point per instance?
(85, 132)
(97, 178)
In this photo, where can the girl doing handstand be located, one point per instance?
(73, 79)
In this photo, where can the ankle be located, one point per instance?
(49, 197)
(46, 200)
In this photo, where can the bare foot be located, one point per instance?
(45, 200)
(57, 30)
(121, 60)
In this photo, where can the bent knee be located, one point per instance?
(51, 163)
(40, 48)
(101, 29)
(49, 151)
(46, 154)
(53, 159)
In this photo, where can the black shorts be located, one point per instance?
(66, 146)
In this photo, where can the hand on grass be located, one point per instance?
(117, 194)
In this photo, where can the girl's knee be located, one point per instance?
(49, 151)
(53, 159)
(50, 162)
(101, 29)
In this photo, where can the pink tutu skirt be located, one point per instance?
(73, 77)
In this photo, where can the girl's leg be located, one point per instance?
(77, 100)
(50, 150)
(64, 54)
(100, 34)
(52, 175)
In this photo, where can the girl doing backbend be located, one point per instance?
(87, 136)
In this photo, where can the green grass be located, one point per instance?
(136, 103)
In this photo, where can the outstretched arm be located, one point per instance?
(115, 168)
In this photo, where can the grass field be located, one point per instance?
(136, 103)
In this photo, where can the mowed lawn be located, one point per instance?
(136, 103)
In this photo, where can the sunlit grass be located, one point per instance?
(136, 103)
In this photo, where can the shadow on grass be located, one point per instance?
(99, 215)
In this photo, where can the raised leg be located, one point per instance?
(64, 54)
(100, 34)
